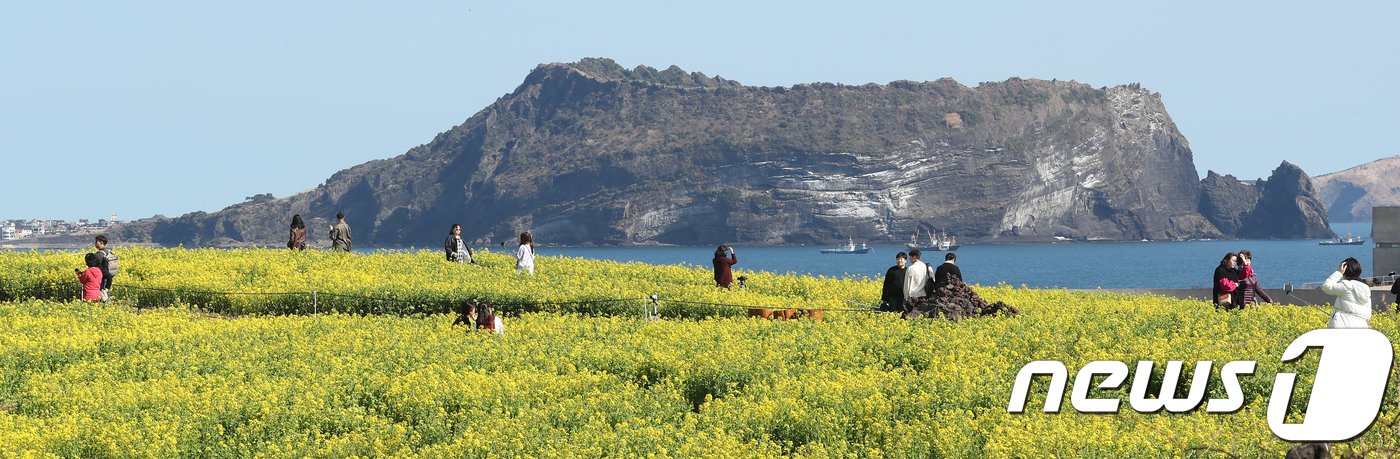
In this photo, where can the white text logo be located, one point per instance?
(1344, 399)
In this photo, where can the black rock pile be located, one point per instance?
(956, 301)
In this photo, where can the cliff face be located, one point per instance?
(1287, 208)
(590, 152)
(1349, 195)
(1283, 206)
(1227, 202)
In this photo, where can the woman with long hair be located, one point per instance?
(1352, 309)
(525, 254)
(1225, 280)
(1250, 291)
(297, 239)
(457, 250)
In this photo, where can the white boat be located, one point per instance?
(850, 248)
(942, 244)
(1349, 240)
(946, 243)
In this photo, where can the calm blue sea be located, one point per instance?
(1183, 264)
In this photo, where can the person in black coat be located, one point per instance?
(1225, 279)
(945, 272)
(456, 249)
(892, 296)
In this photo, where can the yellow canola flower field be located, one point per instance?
(253, 281)
(108, 380)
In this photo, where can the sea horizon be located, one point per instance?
(1074, 264)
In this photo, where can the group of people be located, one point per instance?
(101, 268)
(339, 234)
(1235, 284)
(905, 281)
(459, 251)
(908, 280)
(456, 248)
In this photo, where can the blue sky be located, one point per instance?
(148, 107)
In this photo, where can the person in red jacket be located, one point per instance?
(92, 277)
(724, 274)
(1225, 280)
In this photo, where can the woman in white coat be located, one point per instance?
(1353, 306)
(525, 254)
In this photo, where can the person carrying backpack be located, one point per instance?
(918, 277)
(108, 264)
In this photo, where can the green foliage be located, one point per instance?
(80, 379)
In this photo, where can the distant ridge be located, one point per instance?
(593, 153)
(1349, 194)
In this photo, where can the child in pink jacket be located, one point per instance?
(91, 278)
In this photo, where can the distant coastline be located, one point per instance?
(49, 245)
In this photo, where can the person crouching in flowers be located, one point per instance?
(525, 254)
(1352, 309)
(91, 278)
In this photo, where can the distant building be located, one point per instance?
(1385, 234)
(20, 229)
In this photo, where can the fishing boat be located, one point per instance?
(946, 243)
(913, 241)
(849, 248)
(1349, 240)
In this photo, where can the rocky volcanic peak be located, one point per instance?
(1350, 194)
(1226, 201)
(591, 152)
(604, 70)
(1283, 206)
(1287, 207)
